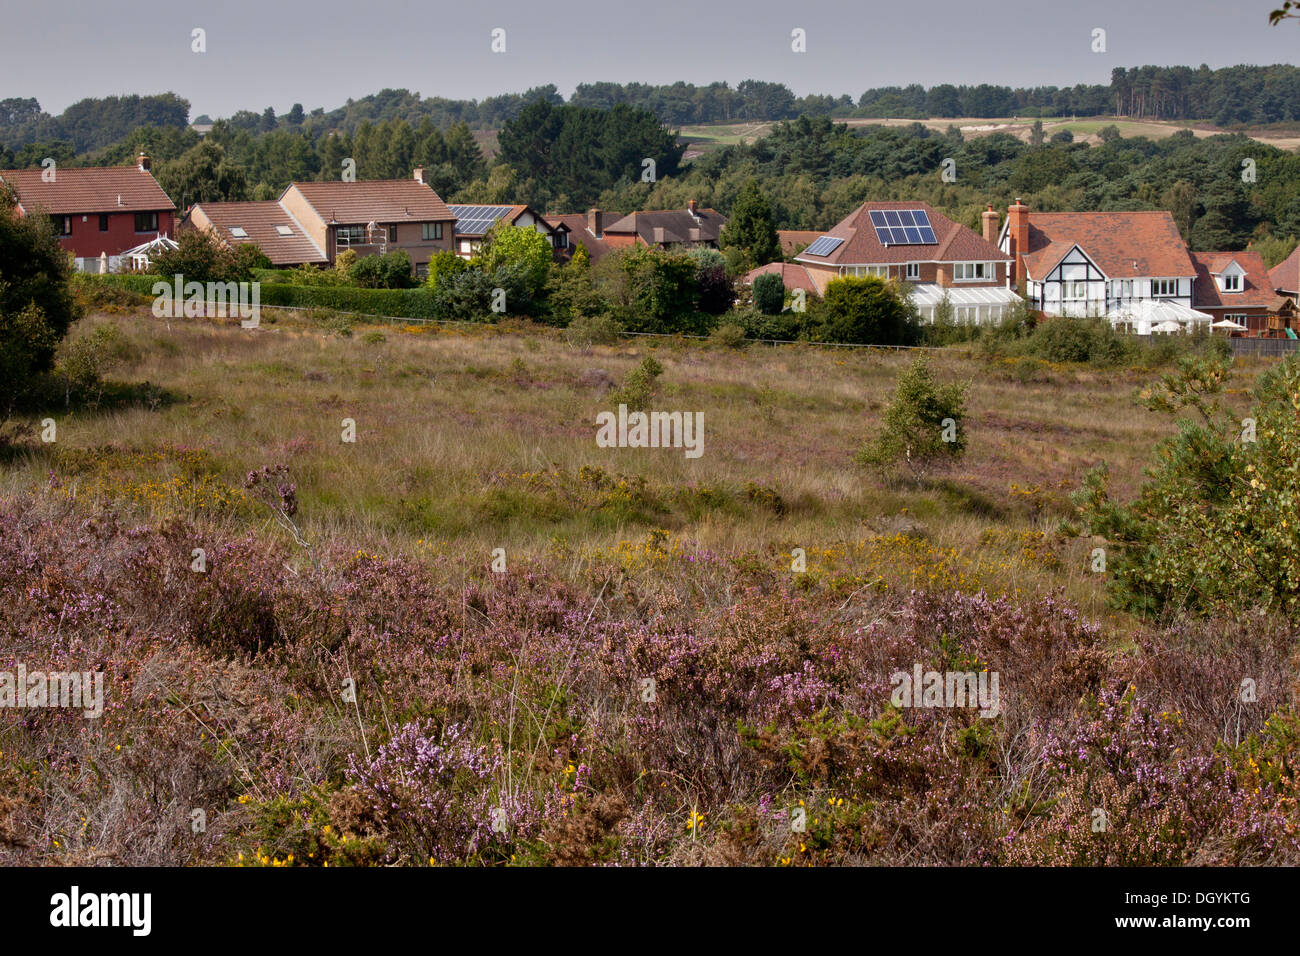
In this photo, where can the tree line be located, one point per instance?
(1227, 96)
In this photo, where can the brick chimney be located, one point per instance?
(690, 207)
(144, 162)
(989, 219)
(418, 175)
(1018, 236)
(595, 221)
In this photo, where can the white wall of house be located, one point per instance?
(1077, 287)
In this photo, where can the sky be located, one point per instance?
(279, 52)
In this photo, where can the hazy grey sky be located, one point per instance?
(277, 52)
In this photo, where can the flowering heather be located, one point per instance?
(663, 704)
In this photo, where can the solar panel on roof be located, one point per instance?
(823, 246)
(903, 227)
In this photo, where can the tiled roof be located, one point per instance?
(955, 243)
(1124, 245)
(671, 225)
(793, 275)
(89, 190)
(262, 222)
(794, 239)
(1286, 274)
(1256, 290)
(579, 233)
(376, 200)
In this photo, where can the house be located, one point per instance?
(794, 241)
(1285, 276)
(793, 276)
(97, 211)
(687, 228)
(1235, 286)
(1092, 263)
(473, 223)
(373, 217)
(583, 229)
(268, 225)
(911, 242)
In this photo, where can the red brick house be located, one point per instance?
(686, 228)
(583, 229)
(96, 210)
(1233, 285)
(913, 243)
(372, 217)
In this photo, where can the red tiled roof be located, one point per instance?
(579, 233)
(1124, 245)
(671, 225)
(376, 200)
(1256, 292)
(1286, 274)
(793, 275)
(260, 220)
(795, 239)
(88, 190)
(956, 243)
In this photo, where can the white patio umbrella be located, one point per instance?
(1228, 324)
(1169, 326)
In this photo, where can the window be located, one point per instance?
(1231, 283)
(103, 222)
(146, 222)
(912, 271)
(284, 231)
(239, 232)
(971, 271)
(392, 233)
(562, 240)
(350, 234)
(431, 231)
(1074, 290)
(62, 225)
(1164, 287)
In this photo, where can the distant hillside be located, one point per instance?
(89, 124)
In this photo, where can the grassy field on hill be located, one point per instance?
(1085, 129)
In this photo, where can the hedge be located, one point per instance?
(398, 303)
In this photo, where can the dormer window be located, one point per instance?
(1230, 282)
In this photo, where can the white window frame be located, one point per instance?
(912, 271)
(973, 271)
(1231, 282)
(1164, 288)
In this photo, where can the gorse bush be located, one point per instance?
(1214, 528)
(640, 386)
